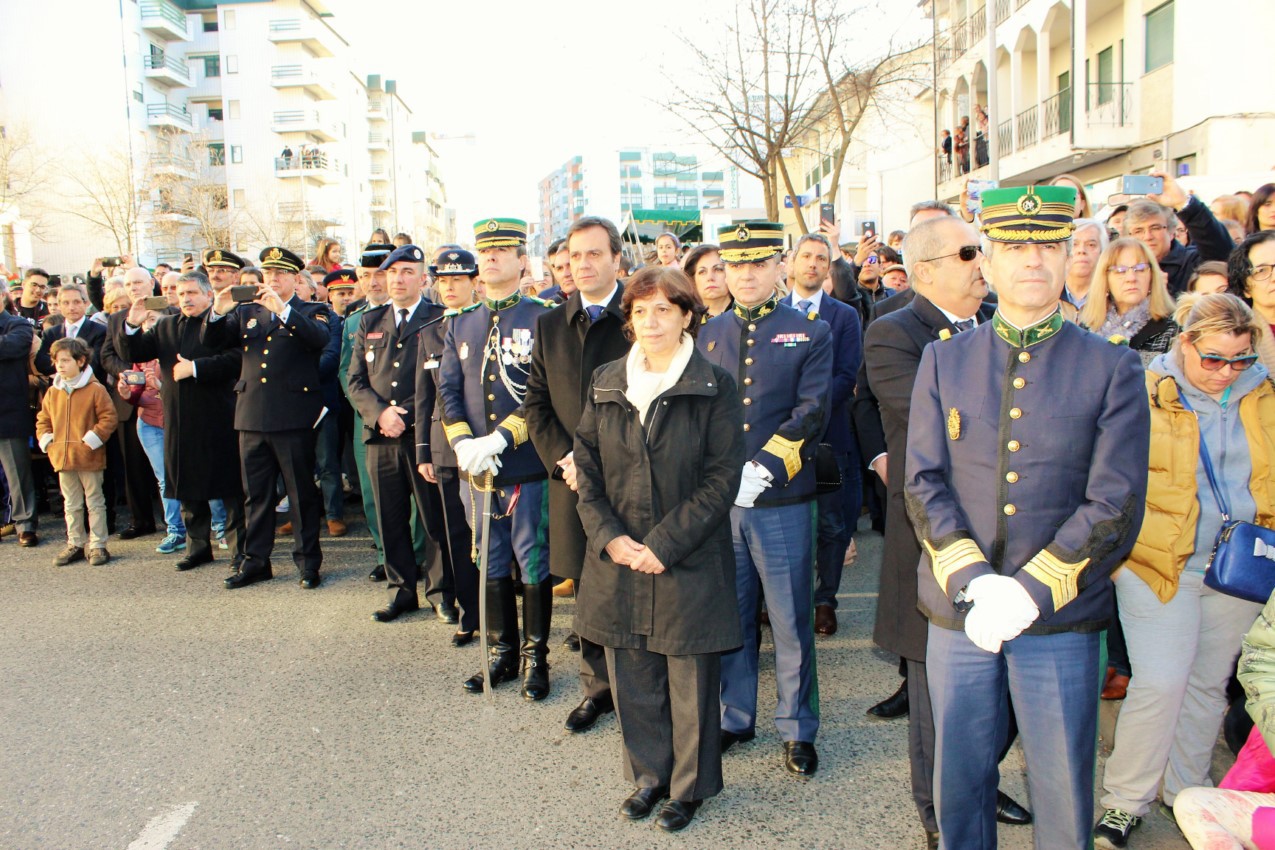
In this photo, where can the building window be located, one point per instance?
(137, 96)
(210, 24)
(234, 110)
(216, 154)
(232, 64)
(1159, 39)
(1106, 76)
(212, 66)
(230, 19)
(215, 113)
(239, 197)
(236, 154)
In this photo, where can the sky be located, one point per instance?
(535, 83)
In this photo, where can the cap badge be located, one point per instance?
(742, 234)
(216, 257)
(1029, 204)
(275, 254)
(492, 226)
(453, 257)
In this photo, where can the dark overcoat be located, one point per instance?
(201, 447)
(567, 351)
(669, 485)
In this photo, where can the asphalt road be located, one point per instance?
(145, 709)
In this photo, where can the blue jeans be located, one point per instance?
(218, 508)
(1054, 683)
(327, 455)
(838, 518)
(152, 440)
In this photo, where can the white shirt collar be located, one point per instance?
(815, 300)
(411, 311)
(586, 303)
(73, 328)
(953, 318)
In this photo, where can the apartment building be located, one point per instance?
(241, 123)
(1100, 88)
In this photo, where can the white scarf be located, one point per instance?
(644, 385)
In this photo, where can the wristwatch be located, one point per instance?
(961, 602)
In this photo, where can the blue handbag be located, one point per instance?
(1242, 563)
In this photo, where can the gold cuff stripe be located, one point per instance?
(996, 234)
(788, 451)
(517, 426)
(748, 255)
(457, 430)
(954, 557)
(1060, 577)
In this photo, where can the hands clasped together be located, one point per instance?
(1002, 609)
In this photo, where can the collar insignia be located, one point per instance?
(1027, 337)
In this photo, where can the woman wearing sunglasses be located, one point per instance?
(1249, 270)
(1212, 404)
(1129, 300)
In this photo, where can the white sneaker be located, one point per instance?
(283, 507)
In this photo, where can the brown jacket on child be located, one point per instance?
(69, 417)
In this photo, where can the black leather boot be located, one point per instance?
(537, 611)
(502, 636)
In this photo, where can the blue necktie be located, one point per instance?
(804, 305)
(966, 325)
(594, 312)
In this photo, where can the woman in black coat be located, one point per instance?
(658, 457)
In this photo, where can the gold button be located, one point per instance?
(269, 338)
(392, 401)
(1011, 477)
(307, 389)
(393, 383)
(492, 417)
(752, 341)
(400, 345)
(752, 327)
(1013, 446)
(491, 377)
(1015, 413)
(245, 348)
(1010, 510)
(1024, 356)
(264, 365)
(265, 351)
(491, 356)
(495, 319)
(263, 380)
(748, 401)
(745, 426)
(491, 397)
(748, 382)
(1019, 383)
(395, 365)
(748, 361)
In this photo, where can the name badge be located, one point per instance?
(430, 364)
(464, 351)
(376, 335)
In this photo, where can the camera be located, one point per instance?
(243, 294)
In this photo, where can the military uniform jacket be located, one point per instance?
(429, 362)
(383, 369)
(1027, 456)
(278, 384)
(781, 360)
(486, 359)
(349, 331)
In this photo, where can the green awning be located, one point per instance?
(646, 225)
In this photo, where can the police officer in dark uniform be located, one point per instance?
(222, 267)
(1025, 480)
(279, 404)
(383, 387)
(783, 361)
(484, 381)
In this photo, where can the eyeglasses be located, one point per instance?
(872, 259)
(967, 254)
(1214, 362)
(1262, 272)
(1138, 267)
(1141, 232)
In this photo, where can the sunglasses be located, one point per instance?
(1214, 362)
(967, 253)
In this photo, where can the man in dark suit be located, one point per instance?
(201, 452)
(17, 335)
(942, 256)
(838, 511)
(571, 342)
(383, 387)
(279, 405)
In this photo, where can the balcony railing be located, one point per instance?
(163, 14)
(1028, 126)
(1005, 137)
(1018, 4)
(978, 26)
(168, 113)
(1109, 104)
(154, 61)
(305, 161)
(1056, 115)
(943, 53)
(960, 38)
(176, 162)
(1001, 10)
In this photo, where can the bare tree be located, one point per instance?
(755, 93)
(106, 191)
(191, 209)
(25, 174)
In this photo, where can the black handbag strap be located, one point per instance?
(1222, 504)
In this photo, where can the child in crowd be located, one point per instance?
(74, 423)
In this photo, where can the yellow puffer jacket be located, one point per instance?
(1167, 537)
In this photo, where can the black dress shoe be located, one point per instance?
(892, 706)
(572, 642)
(310, 581)
(463, 638)
(640, 803)
(800, 758)
(28, 539)
(447, 613)
(677, 814)
(194, 559)
(503, 669)
(134, 531)
(377, 574)
(242, 579)
(730, 739)
(584, 715)
(394, 610)
(1010, 812)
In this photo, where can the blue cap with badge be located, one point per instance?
(403, 254)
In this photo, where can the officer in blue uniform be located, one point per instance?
(279, 404)
(486, 359)
(383, 386)
(1025, 482)
(782, 359)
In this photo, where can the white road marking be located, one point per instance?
(163, 829)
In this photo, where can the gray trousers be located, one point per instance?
(921, 743)
(15, 457)
(670, 720)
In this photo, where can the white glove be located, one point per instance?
(465, 452)
(1007, 606)
(753, 483)
(980, 629)
(483, 452)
